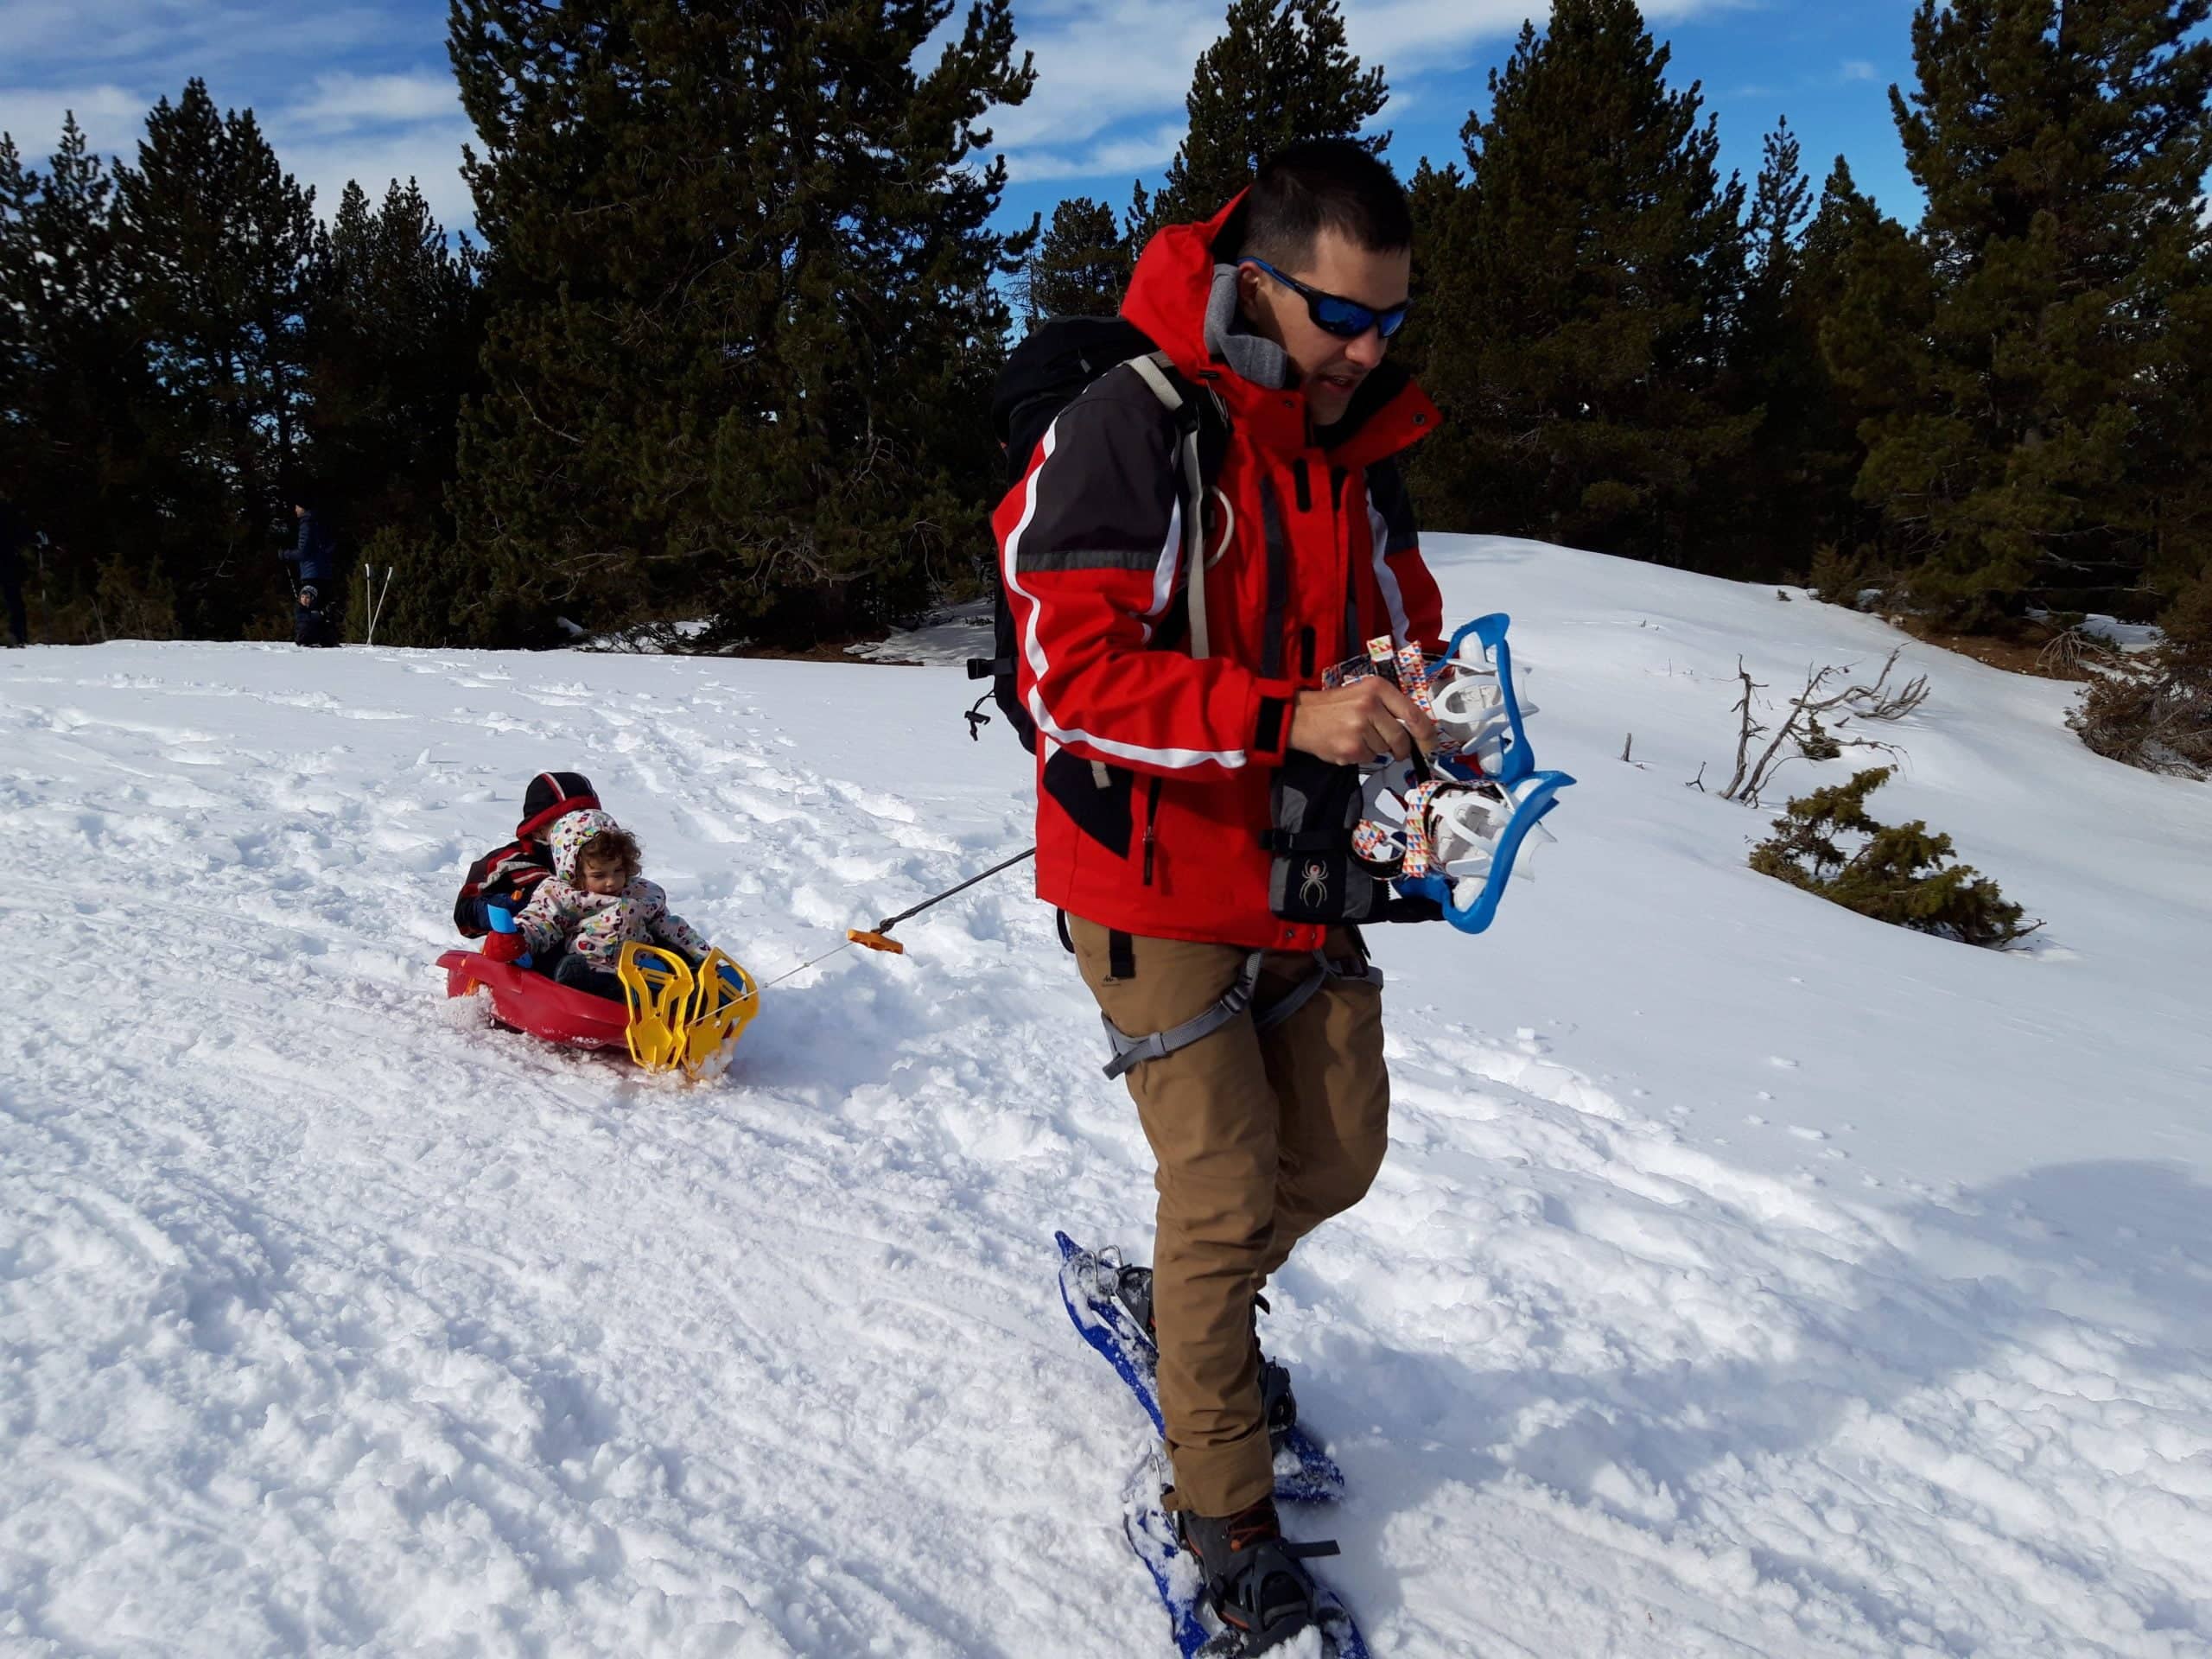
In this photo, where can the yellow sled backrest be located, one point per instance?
(657, 985)
(724, 998)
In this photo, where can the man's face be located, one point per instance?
(1329, 366)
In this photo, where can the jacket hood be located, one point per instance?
(549, 796)
(1172, 297)
(568, 835)
(1183, 296)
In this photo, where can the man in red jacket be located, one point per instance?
(1158, 767)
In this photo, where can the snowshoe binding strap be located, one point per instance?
(1254, 1579)
(1133, 1289)
(656, 984)
(1278, 1405)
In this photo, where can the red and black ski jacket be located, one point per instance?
(512, 872)
(1153, 767)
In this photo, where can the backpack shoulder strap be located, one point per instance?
(1157, 370)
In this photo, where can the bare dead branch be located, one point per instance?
(1878, 701)
(1746, 731)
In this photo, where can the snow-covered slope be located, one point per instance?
(1747, 1278)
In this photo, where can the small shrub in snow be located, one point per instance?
(1856, 580)
(2155, 710)
(1899, 874)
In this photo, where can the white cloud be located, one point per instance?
(1859, 69)
(429, 152)
(1101, 63)
(1119, 157)
(111, 60)
(113, 117)
(176, 39)
(378, 130)
(341, 103)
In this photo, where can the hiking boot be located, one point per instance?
(1254, 1579)
(1278, 1405)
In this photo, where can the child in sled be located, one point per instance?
(508, 875)
(594, 902)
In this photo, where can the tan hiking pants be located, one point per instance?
(1260, 1137)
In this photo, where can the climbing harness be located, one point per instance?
(1131, 1052)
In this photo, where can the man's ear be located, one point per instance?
(1247, 286)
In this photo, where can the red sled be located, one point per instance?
(530, 1002)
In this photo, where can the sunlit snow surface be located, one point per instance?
(1747, 1278)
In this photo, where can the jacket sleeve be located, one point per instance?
(1091, 554)
(542, 921)
(672, 929)
(469, 903)
(1417, 604)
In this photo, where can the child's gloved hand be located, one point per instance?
(504, 947)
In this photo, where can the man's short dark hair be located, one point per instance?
(1324, 183)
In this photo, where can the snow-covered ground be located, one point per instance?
(1747, 1278)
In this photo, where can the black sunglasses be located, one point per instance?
(1334, 314)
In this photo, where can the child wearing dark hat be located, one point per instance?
(508, 875)
(596, 900)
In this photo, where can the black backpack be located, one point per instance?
(1043, 375)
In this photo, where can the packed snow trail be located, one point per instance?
(1745, 1279)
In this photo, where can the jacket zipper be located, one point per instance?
(1151, 815)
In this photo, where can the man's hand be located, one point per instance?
(1361, 722)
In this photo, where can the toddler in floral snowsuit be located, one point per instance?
(595, 901)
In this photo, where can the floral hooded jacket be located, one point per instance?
(596, 925)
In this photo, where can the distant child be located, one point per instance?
(596, 902)
(508, 875)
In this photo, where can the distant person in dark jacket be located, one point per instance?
(315, 553)
(13, 534)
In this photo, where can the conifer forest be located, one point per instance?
(719, 344)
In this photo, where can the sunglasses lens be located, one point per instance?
(1390, 322)
(1341, 317)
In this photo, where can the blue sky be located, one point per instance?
(363, 90)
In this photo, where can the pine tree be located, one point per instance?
(2063, 148)
(1280, 72)
(1079, 268)
(76, 399)
(1575, 331)
(741, 280)
(214, 240)
(394, 332)
(1792, 495)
